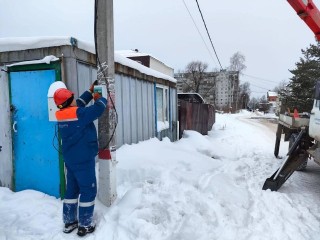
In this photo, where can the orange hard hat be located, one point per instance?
(63, 97)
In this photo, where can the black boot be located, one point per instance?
(69, 227)
(82, 231)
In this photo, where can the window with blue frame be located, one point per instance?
(162, 107)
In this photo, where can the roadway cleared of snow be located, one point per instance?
(201, 187)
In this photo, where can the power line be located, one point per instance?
(263, 79)
(199, 32)
(209, 35)
(268, 89)
(257, 92)
(262, 84)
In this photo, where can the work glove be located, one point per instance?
(96, 96)
(92, 86)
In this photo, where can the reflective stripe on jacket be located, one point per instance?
(67, 114)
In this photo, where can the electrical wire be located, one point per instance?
(103, 72)
(260, 84)
(221, 68)
(199, 32)
(268, 89)
(263, 79)
(256, 92)
(260, 79)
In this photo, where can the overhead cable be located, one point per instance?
(221, 68)
(199, 32)
(256, 92)
(268, 89)
(267, 80)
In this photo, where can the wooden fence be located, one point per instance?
(195, 116)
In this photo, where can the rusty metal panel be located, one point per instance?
(212, 116)
(195, 116)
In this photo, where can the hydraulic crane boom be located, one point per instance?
(302, 131)
(309, 13)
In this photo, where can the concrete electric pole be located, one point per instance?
(104, 40)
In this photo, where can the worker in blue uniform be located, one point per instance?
(79, 148)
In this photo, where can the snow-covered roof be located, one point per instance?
(24, 43)
(20, 44)
(47, 60)
(133, 53)
(272, 94)
(141, 68)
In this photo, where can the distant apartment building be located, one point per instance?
(217, 88)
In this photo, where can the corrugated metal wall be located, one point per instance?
(196, 116)
(135, 107)
(5, 133)
(86, 75)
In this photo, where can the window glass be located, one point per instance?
(160, 104)
(166, 102)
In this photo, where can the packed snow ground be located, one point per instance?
(201, 187)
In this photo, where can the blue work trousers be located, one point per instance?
(81, 181)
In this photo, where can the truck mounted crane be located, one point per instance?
(309, 13)
(301, 130)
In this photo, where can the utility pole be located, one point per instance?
(104, 34)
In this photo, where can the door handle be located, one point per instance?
(312, 113)
(14, 126)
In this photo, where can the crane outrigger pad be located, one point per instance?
(291, 164)
(295, 157)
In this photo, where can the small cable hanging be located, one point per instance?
(221, 68)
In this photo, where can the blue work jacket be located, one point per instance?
(77, 130)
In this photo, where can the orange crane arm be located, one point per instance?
(309, 13)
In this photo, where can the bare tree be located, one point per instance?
(253, 103)
(264, 105)
(237, 62)
(282, 86)
(244, 94)
(195, 72)
(245, 88)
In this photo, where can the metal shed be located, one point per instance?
(138, 93)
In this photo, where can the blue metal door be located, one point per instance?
(36, 162)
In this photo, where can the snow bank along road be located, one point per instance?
(201, 187)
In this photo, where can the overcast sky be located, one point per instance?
(267, 32)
